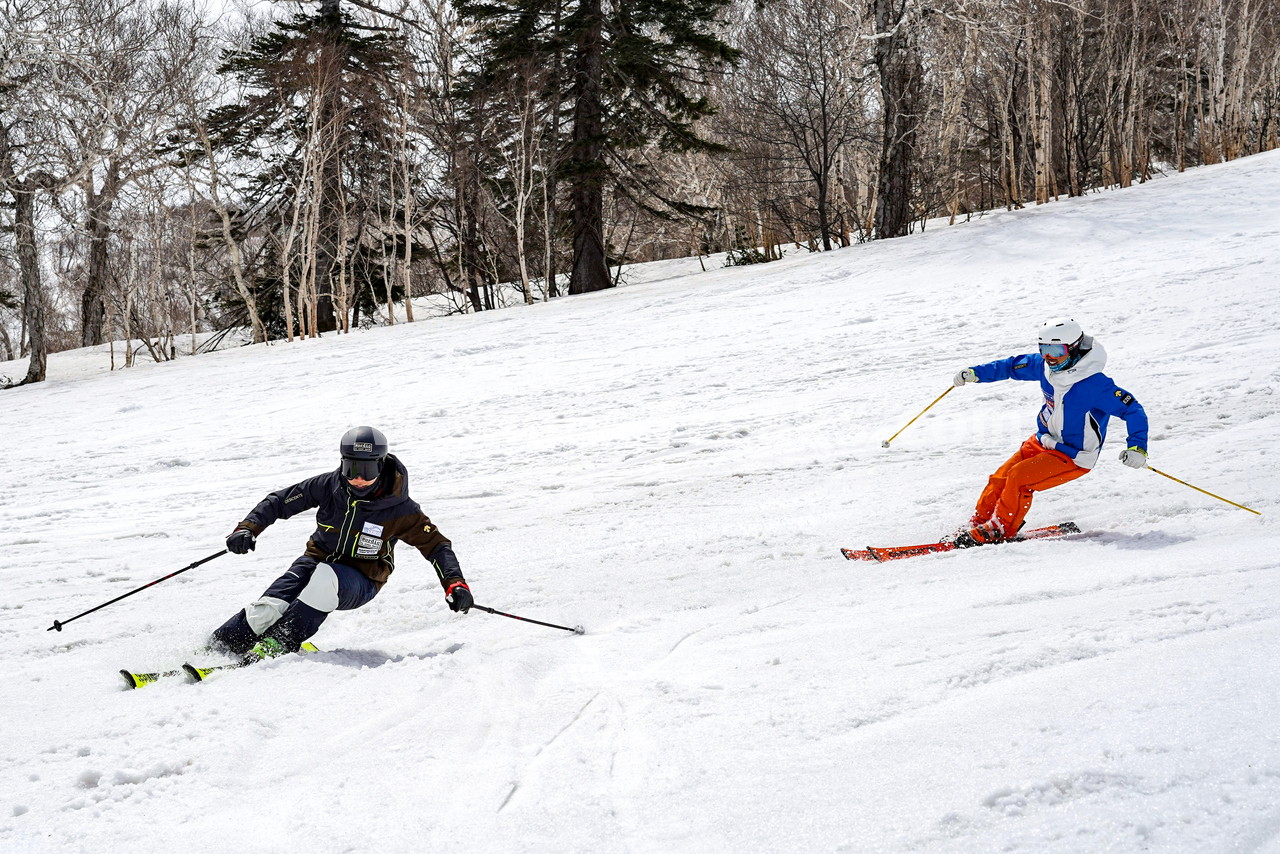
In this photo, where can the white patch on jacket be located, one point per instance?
(1092, 363)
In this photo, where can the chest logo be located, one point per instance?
(370, 528)
(367, 546)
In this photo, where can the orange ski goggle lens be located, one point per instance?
(1054, 354)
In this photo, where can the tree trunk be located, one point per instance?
(470, 249)
(24, 232)
(900, 76)
(1073, 59)
(551, 173)
(1039, 104)
(1009, 144)
(326, 249)
(590, 265)
(329, 242)
(407, 180)
(548, 240)
(824, 216)
(6, 345)
(93, 308)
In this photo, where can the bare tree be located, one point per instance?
(118, 102)
(799, 97)
(37, 43)
(215, 188)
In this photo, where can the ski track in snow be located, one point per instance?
(675, 465)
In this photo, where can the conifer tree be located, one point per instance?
(318, 121)
(634, 74)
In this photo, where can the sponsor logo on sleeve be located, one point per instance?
(1124, 396)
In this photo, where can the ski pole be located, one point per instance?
(577, 630)
(58, 624)
(1205, 491)
(886, 442)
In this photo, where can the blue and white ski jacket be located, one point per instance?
(1078, 403)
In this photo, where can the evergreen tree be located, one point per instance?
(633, 74)
(319, 122)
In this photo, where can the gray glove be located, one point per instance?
(965, 376)
(1134, 458)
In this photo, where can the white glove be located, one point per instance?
(965, 376)
(1047, 441)
(1134, 458)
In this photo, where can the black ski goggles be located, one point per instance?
(361, 469)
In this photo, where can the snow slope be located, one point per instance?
(675, 464)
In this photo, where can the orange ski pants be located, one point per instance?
(1031, 469)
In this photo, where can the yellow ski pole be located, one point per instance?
(1205, 491)
(886, 442)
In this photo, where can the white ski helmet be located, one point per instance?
(1062, 343)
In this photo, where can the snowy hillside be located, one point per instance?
(675, 465)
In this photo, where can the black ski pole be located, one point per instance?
(577, 630)
(58, 624)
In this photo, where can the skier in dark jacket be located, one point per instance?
(362, 509)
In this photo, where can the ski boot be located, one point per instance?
(963, 530)
(980, 535)
(265, 649)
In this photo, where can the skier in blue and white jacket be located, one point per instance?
(1070, 429)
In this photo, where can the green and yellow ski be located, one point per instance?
(142, 680)
(193, 673)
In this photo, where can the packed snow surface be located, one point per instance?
(675, 465)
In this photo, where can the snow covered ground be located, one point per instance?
(675, 465)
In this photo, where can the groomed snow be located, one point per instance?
(675, 465)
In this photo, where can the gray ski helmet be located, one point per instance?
(363, 451)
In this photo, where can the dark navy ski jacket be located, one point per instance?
(361, 533)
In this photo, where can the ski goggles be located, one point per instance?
(361, 469)
(1055, 354)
